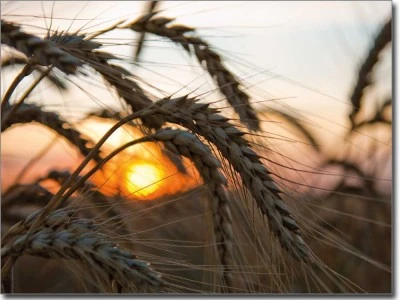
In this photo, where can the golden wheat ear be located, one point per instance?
(225, 79)
(114, 76)
(46, 52)
(63, 237)
(215, 128)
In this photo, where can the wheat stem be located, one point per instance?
(6, 99)
(14, 107)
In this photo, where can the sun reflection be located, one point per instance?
(143, 178)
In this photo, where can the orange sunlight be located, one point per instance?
(143, 177)
(140, 172)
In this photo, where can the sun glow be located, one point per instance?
(143, 178)
(140, 172)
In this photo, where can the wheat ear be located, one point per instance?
(206, 122)
(227, 82)
(79, 240)
(28, 113)
(364, 74)
(188, 145)
(116, 76)
(46, 53)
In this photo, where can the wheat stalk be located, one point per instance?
(227, 83)
(79, 240)
(296, 123)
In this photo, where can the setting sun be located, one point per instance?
(143, 178)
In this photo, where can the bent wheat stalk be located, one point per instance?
(5, 102)
(227, 83)
(296, 123)
(10, 110)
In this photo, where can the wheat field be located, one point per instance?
(172, 147)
